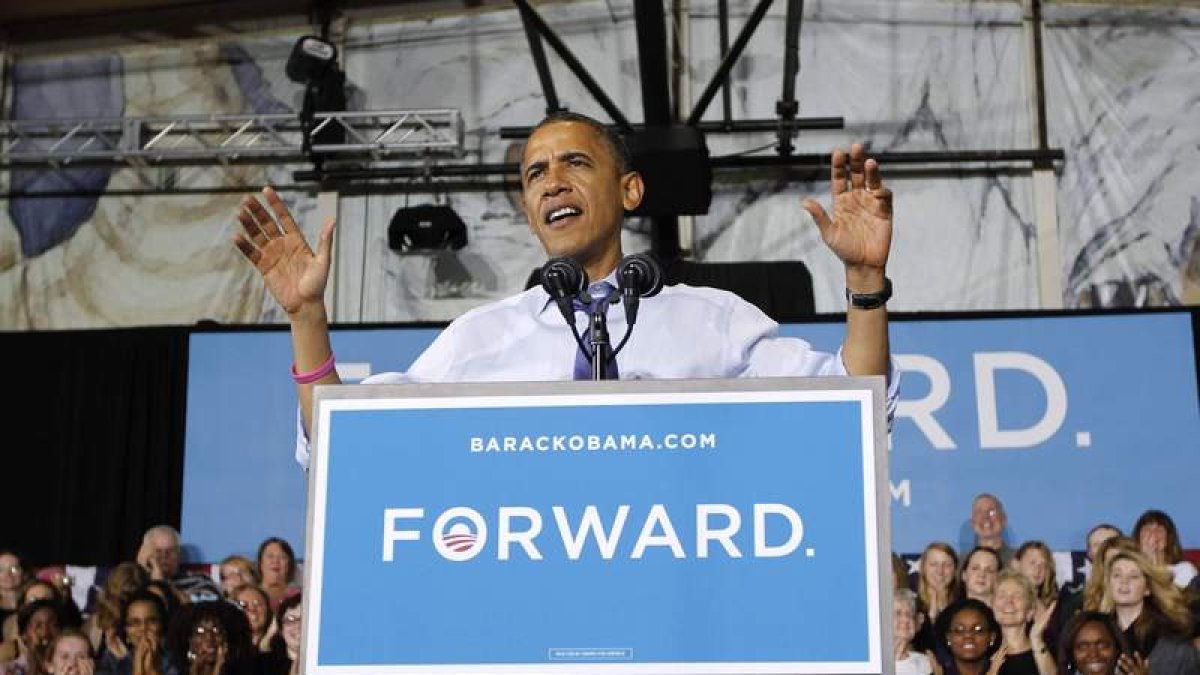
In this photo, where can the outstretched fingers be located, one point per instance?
(822, 219)
(286, 222)
(858, 161)
(247, 249)
(839, 173)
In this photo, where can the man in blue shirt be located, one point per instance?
(577, 185)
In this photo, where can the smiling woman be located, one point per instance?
(967, 636)
(1092, 644)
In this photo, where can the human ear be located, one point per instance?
(632, 190)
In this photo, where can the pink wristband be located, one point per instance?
(314, 375)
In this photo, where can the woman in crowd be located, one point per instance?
(1092, 644)
(1151, 611)
(70, 654)
(1093, 591)
(141, 626)
(938, 585)
(284, 655)
(37, 625)
(236, 570)
(276, 568)
(257, 606)
(210, 638)
(1023, 649)
(967, 636)
(103, 625)
(979, 570)
(12, 576)
(1156, 535)
(1035, 560)
(906, 621)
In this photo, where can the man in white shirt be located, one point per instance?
(577, 185)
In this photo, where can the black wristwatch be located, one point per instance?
(871, 300)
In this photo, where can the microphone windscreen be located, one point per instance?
(564, 278)
(643, 272)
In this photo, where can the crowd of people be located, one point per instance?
(153, 617)
(1001, 611)
(994, 610)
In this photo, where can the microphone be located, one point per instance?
(564, 279)
(639, 276)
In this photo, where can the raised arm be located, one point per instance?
(296, 277)
(860, 234)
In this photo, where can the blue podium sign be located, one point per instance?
(717, 526)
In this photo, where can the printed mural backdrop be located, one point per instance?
(907, 75)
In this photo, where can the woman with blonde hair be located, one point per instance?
(1035, 560)
(937, 581)
(1151, 611)
(937, 587)
(1093, 591)
(1023, 649)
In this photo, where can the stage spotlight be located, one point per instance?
(426, 228)
(313, 63)
(311, 59)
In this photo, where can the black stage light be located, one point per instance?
(311, 59)
(313, 63)
(428, 227)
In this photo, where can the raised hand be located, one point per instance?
(1133, 664)
(1037, 632)
(860, 229)
(271, 240)
(998, 660)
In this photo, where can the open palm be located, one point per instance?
(293, 272)
(860, 231)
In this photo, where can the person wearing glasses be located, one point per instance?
(140, 630)
(210, 638)
(988, 521)
(254, 602)
(967, 636)
(103, 626)
(283, 658)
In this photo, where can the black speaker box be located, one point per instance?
(674, 163)
(428, 227)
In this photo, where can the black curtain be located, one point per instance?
(95, 424)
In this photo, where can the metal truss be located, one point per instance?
(141, 142)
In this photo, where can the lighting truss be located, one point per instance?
(229, 139)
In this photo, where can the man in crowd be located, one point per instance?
(577, 185)
(988, 521)
(161, 556)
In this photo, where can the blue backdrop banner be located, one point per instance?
(686, 528)
(1069, 420)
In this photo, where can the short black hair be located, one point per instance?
(1066, 646)
(608, 135)
(149, 597)
(941, 627)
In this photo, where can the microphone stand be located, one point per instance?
(598, 338)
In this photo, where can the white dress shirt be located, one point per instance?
(683, 332)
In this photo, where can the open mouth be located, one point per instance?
(562, 213)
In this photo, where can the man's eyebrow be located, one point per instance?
(539, 164)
